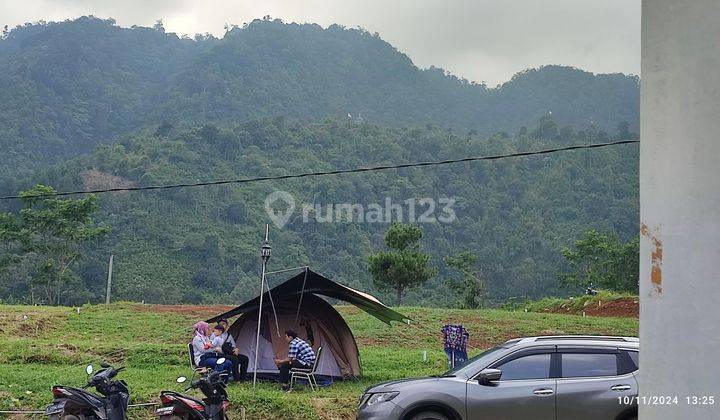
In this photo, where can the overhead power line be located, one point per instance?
(332, 172)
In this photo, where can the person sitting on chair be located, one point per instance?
(206, 355)
(222, 338)
(300, 356)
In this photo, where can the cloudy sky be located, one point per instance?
(481, 40)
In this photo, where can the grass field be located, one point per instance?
(42, 346)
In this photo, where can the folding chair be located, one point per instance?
(196, 370)
(308, 374)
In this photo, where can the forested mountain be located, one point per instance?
(88, 104)
(66, 87)
(201, 244)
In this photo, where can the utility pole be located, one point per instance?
(109, 281)
(265, 256)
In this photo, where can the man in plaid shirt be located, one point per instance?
(300, 356)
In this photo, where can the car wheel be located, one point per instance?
(429, 415)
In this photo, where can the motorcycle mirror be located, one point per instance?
(220, 361)
(89, 369)
(181, 379)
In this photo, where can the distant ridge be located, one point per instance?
(67, 87)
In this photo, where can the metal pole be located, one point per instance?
(302, 292)
(262, 287)
(257, 337)
(109, 281)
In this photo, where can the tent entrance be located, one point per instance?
(319, 325)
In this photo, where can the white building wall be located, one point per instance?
(680, 206)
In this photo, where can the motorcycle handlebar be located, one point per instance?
(211, 379)
(113, 372)
(104, 375)
(193, 385)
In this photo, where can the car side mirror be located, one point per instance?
(489, 375)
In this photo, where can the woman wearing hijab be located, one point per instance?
(206, 355)
(220, 337)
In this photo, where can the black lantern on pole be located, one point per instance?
(265, 251)
(265, 248)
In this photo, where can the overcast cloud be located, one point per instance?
(481, 40)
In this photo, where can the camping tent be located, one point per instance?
(297, 305)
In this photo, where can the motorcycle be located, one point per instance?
(214, 406)
(78, 404)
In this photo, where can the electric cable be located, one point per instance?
(324, 173)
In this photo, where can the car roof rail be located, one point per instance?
(513, 341)
(572, 338)
(587, 338)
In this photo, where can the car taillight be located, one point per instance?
(192, 404)
(166, 399)
(60, 392)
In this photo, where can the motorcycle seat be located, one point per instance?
(183, 396)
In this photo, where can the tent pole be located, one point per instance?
(265, 254)
(297, 314)
(277, 326)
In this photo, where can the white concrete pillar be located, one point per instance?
(680, 207)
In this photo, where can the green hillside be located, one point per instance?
(87, 104)
(42, 346)
(67, 87)
(201, 244)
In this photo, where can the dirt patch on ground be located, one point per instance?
(371, 341)
(67, 350)
(191, 311)
(28, 325)
(624, 307)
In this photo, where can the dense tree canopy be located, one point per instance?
(601, 259)
(201, 244)
(470, 288)
(42, 246)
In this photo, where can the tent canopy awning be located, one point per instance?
(320, 285)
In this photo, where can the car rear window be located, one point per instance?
(635, 357)
(534, 366)
(576, 365)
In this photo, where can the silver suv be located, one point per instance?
(540, 378)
